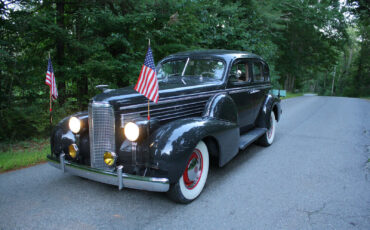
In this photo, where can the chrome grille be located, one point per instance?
(101, 131)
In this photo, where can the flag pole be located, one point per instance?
(148, 110)
(50, 109)
(148, 98)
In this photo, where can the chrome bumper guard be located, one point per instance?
(119, 178)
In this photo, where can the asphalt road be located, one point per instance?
(315, 176)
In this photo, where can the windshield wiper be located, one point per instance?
(183, 71)
(186, 65)
(183, 81)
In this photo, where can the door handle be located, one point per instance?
(254, 91)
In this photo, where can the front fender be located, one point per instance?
(62, 136)
(171, 145)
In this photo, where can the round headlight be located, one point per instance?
(132, 131)
(73, 150)
(74, 124)
(110, 158)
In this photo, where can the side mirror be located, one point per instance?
(103, 88)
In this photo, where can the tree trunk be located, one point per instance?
(286, 82)
(292, 81)
(82, 83)
(60, 52)
(357, 79)
(326, 76)
(349, 59)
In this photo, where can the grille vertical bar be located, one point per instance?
(101, 131)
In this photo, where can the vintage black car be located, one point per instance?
(212, 104)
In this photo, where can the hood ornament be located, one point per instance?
(103, 88)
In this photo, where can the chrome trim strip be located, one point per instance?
(100, 104)
(166, 101)
(238, 91)
(195, 96)
(108, 177)
(167, 107)
(120, 181)
(180, 113)
(133, 151)
(62, 160)
(122, 120)
(177, 109)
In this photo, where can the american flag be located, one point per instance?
(147, 83)
(50, 81)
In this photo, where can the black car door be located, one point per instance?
(259, 91)
(239, 88)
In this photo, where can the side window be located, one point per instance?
(240, 72)
(266, 72)
(257, 72)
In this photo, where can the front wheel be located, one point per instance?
(268, 137)
(194, 177)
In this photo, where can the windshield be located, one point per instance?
(191, 69)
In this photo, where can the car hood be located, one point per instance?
(128, 96)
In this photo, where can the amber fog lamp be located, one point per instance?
(132, 131)
(73, 150)
(74, 124)
(110, 158)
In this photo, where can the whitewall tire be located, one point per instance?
(268, 138)
(194, 177)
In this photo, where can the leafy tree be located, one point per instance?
(105, 41)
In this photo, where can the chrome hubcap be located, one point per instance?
(193, 170)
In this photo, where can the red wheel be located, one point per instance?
(194, 169)
(194, 177)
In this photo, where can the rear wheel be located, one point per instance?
(269, 136)
(194, 177)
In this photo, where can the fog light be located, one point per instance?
(110, 158)
(73, 150)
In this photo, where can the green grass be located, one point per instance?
(291, 95)
(23, 154)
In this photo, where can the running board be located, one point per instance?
(250, 137)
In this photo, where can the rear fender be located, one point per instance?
(271, 104)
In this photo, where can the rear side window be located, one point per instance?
(257, 72)
(240, 72)
(266, 72)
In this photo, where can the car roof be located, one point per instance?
(216, 52)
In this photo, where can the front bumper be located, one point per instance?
(119, 178)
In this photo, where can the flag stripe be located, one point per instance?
(139, 81)
(147, 75)
(50, 81)
(147, 84)
(149, 81)
(151, 87)
(143, 77)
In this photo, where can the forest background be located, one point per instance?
(317, 46)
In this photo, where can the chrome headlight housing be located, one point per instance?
(132, 131)
(74, 124)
